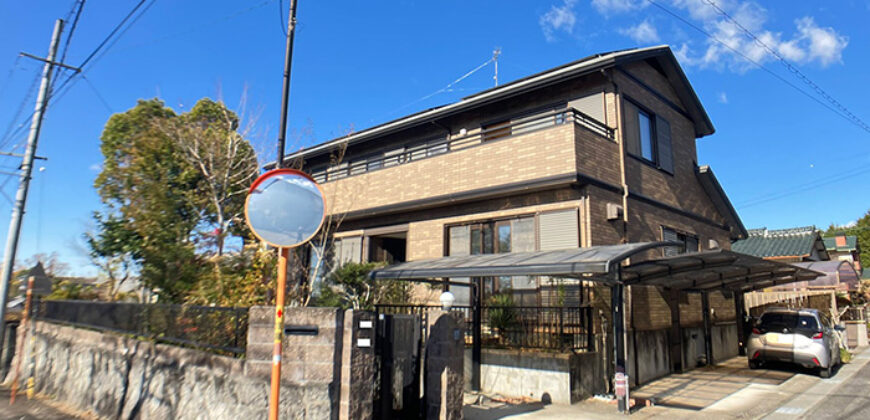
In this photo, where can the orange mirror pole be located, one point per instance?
(274, 396)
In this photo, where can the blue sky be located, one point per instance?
(784, 159)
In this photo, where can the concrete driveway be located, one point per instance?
(727, 391)
(700, 388)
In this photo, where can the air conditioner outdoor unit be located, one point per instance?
(614, 211)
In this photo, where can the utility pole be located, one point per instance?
(26, 169)
(285, 97)
(283, 253)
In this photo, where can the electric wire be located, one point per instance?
(10, 132)
(445, 88)
(191, 29)
(854, 118)
(281, 16)
(57, 93)
(807, 187)
(97, 94)
(9, 76)
(750, 60)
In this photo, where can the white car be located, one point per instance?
(801, 336)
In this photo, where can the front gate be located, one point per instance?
(399, 350)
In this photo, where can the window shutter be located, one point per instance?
(670, 235)
(663, 144)
(631, 136)
(351, 250)
(559, 230)
(459, 241)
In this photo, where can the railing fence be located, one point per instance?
(213, 328)
(539, 327)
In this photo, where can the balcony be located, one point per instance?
(527, 148)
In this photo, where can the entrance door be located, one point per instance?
(389, 248)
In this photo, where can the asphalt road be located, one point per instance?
(850, 400)
(36, 409)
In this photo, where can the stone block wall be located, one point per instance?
(113, 376)
(444, 371)
(117, 377)
(306, 358)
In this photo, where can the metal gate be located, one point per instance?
(399, 350)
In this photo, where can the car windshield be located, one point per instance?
(778, 321)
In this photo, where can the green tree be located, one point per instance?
(150, 195)
(349, 286)
(174, 189)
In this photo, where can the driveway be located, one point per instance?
(727, 391)
(700, 388)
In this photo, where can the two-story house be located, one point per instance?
(599, 151)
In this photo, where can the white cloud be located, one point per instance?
(809, 43)
(723, 98)
(642, 33)
(825, 44)
(558, 18)
(607, 7)
(96, 167)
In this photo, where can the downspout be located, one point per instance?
(623, 180)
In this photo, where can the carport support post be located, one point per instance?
(739, 308)
(617, 306)
(708, 335)
(476, 320)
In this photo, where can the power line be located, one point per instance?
(97, 93)
(281, 16)
(750, 60)
(807, 187)
(59, 92)
(445, 88)
(72, 30)
(191, 29)
(10, 133)
(855, 119)
(9, 76)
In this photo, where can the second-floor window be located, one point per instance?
(648, 137)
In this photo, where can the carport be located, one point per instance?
(617, 266)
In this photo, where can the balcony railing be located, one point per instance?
(435, 147)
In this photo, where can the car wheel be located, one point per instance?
(754, 364)
(826, 372)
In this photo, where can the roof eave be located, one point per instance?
(703, 125)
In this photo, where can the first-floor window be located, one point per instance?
(689, 241)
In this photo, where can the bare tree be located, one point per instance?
(211, 140)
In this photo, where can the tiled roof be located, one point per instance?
(851, 243)
(778, 243)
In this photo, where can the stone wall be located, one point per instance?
(118, 377)
(561, 378)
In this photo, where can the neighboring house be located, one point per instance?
(600, 151)
(784, 245)
(845, 248)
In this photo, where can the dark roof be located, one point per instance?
(710, 270)
(791, 242)
(851, 243)
(662, 54)
(721, 202)
(576, 262)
